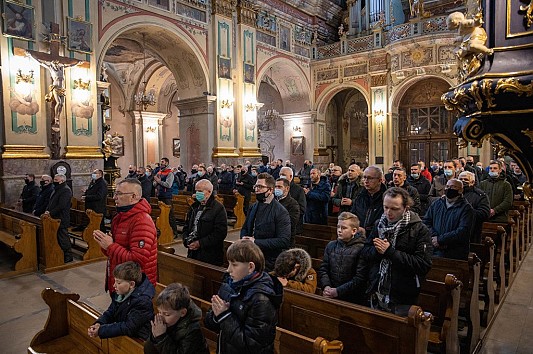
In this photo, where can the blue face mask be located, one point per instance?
(200, 174)
(278, 193)
(147, 174)
(415, 175)
(254, 174)
(200, 196)
(493, 174)
(448, 173)
(93, 176)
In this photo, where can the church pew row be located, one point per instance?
(233, 203)
(65, 331)
(87, 220)
(485, 252)
(360, 329)
(21, 237)
(498, 233)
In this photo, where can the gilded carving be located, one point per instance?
(474, 91)
(514, 86)
(223, 7)
(327, 75)
(379, 80)
(246, 14)
(529, 134)
(459, 100)
(486, 89)
(528, 16)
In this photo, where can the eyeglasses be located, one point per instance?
(370, 177)
(118, 194)
(258, 186)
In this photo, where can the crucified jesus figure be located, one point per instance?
(57, 88)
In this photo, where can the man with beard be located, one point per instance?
(268, 223)
(348, 188)
(317, 196)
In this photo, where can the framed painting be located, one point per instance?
(79, 35)
(18, 20)
(176, 147)
(249, 73)
(297, 145)
(224, 68)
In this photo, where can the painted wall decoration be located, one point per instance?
(224, 68)
(176, 147)
(249, 73)
(79, 35)
(285, 38)
(18, 20)
(297, 145)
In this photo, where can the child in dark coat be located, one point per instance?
(131, 309)
(176, 328)
(245, 309)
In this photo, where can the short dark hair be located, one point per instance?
(165, 159)
(246, 251)
(285, 181)
(30, 175)
(238, 166)
(285, 263)
(269, 180)
(129, 271)
(176, 296)
(394, 192)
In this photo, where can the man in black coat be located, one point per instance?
(146, 184)
(244, 184)
(368, 205)
(422, 185)
(206, 226)
(95, 196)
(282, 195)
(297, 193)
(399, 179)
(29, 194)
(47, 187)
(59, 208)
(478, 200)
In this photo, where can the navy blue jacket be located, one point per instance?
(132, 316)
(317, 202)
(452, 226)
(272, 229)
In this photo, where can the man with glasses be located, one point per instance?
(133, 235)
(206, 226)
(268, 223)
(368, 204)
(348, 188)
(297, 193)
(449, 220)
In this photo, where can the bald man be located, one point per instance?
(450, 219)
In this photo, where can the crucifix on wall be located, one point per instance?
(55, 64)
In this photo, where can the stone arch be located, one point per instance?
(399, 92)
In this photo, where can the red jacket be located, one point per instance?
(427, 174)
(135, 239)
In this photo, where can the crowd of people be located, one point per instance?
(389, 227)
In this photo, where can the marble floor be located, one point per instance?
(23, 313)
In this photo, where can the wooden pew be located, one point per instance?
(234, 207)
(360, 329)
(441, 299)
(498, 234)
(181, 204)
(65, 331)
(485, 252)
(323, 232)
(468, 273)
(20, 236)
(528, 226)
(92, 220)
(162, 223)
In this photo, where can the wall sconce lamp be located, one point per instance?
(226, 103)
(27, 78)
(151, 129)
(249, 107)
(82, 85)
(379, 115)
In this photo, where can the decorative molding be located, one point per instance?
(246, 15)
(224, 152)
(223, 7)
(249, 152)
(24, 152)
(83, 152)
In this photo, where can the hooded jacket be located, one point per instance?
(249, 326)
(134, 239)
(410, 262)
(130, 317)
(184, 337)
(306, 278)
(338, 268)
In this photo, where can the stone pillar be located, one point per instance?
(148, 137)
(303, 128)
(379, 136)
(197, 129)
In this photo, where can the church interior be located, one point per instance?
(106, 84)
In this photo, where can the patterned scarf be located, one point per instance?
(389, 231)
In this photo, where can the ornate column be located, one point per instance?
(197, 124)
(379, 134)
(148, 137)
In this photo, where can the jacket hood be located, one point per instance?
(304, 259)
(358, 238)
(414, 218)
(263, 284)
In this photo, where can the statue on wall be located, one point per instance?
(472, 38)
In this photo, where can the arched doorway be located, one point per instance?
(347, 127)
(425, 126)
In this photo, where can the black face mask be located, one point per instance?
(452, 193)
(56, 184)
(261, 197)
(130, 171)
(27, 181)
(470, 163)
(140, 176)
(42, 183)
(305, 165)
(194, 171)
(288, 165)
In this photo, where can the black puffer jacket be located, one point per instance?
(411, 261)
(211, 232)
(338, 268)
(368, 208)
(249, 326)
(183, 338)
(132, 316)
